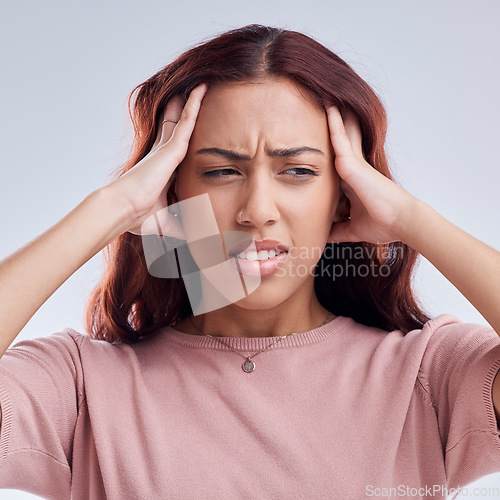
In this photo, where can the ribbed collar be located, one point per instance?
(256, 343)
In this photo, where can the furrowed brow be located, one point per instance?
(282, 153)
(290, 152)
(226, 153)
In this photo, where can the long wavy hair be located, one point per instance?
(372, 283)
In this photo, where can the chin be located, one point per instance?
(258, 301)
(269, 295)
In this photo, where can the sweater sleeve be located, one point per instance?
(40, 391)
(457, 370)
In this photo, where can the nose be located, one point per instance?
(258, 207)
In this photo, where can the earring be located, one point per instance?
(173, 212)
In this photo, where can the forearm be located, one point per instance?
(33, 273)
(470, 265)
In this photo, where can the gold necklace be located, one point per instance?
(248, 365)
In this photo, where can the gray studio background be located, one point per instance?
(67, 68)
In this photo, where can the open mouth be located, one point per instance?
(262, 263)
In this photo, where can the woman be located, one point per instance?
(229, 357)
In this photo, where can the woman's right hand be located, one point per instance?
(143, 188)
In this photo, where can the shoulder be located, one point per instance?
(423, 352)
(59, 348)
(444, 336)
(66, 347)
(460, 358)
(396, 344)
(453, 341)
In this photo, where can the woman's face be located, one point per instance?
(289, 198)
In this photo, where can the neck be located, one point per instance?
(234, 321)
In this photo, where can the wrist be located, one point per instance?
(412, 222)
(114, 213)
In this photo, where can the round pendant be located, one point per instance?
(248, 366)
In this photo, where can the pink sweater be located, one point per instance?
(342, 411)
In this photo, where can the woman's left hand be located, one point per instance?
(380, 208)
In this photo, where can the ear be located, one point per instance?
(343, 208)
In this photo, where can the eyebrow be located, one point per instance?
(282, 153)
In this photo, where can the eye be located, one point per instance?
(304, 172)
(218, 173)
(226, 172)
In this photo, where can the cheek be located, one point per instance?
(330, 194)
(186, 182)
(320, 202)
(310, 221)
(225, 210)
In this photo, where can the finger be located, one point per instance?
(166, 224)
(338, 135)
(184, 128)
(353, 131)
(171, 116)
(345, 188)
(341, 233)
(160, 223)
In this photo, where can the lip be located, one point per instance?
(258, 267)
(264, 244)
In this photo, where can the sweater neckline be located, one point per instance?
(255, 343)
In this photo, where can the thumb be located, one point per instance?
(160, 223)
(340, 232)
(163, 220)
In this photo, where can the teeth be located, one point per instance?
(262, 255)
(252, 255)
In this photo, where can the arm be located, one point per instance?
(471, 265)
(33, 273)
(382, 211)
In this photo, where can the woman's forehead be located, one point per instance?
(275, 110)
(261, 96)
